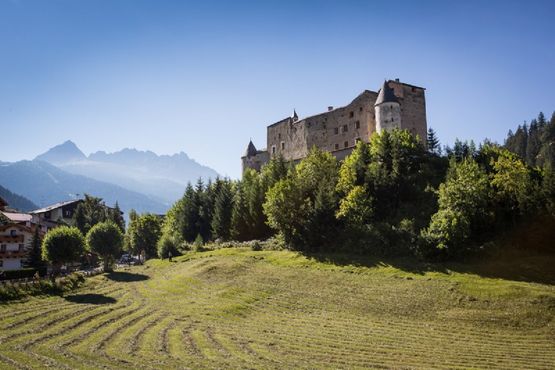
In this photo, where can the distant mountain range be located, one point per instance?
(16, 201)
(45, 184)
(161, 177)
(139, 180)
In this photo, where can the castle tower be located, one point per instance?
(387, 109)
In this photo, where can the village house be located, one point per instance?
(14, 239)
(56, 214)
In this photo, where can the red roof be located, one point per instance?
(18, 217)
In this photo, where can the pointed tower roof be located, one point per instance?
(386, 95)
(251, 150)
(295, 116)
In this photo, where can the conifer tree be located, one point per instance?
(34, 258)
(223, 209)
(433, 142)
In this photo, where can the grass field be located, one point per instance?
(235, 308)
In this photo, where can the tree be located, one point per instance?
(89, 212)
(302, 206)
(240, 228)
(116, 216)
(106, 240)
(143, 234)
(223, 208)
(167, 244)
(34, 258)
(463, 208)
(62, 245)
(433, 142)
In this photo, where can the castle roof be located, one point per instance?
(251, 150)
(386, 95)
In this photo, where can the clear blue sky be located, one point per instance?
(205, 77)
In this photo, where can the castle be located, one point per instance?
(396, 105)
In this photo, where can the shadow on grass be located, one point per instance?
(90, 299)
(122, 276)
(516, 266)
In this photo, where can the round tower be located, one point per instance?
(387, 109)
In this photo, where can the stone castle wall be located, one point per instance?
(338, 130)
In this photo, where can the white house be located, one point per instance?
(14, 239)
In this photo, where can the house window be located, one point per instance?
(346, 144)
(282, 145)
(13, 233)
(351, 114)
(357, 124)
(3, 248)
(273, 149)
(1, 263)
(47, 215)
(345, 128)
(336, 130)
(21, 246)
(336, 146)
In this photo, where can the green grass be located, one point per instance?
(236, 308)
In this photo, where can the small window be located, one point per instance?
(336, 146)
(336, 130)
(21, 246)
(279, 136)
(351, 114)
(282, 145)
(346, 144)
(273, 149)
(357, 124)
(3, 248)
(1, 263)
(13, 233)
(345, 128)
(360, 109)
(357, 140)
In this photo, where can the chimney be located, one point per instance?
(330, 108)
(396, 80)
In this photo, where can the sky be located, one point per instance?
(205, 77)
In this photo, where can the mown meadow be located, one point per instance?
(238, 308)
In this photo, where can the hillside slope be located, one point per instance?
(46, 184)
(235, 308)
(16, 201)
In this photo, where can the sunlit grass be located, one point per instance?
(238, 308)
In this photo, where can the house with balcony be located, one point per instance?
(14, 242)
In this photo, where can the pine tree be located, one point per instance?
(433, 142)
(34, 258)
(117, 217)
(223, 209)
(240, 229)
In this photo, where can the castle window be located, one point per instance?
(357, 140)
(282, 145)
(336, 146)
(273, 149)
(345, 128)
(360, 109)
(346, 144)
(351, 114)
(357, 124)
(336, 130)
(279, 136)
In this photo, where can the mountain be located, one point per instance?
(17, 201)
(63, 153)
(46, 184)
(162, 177)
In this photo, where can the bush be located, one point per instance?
(106, 240)
(62, 245)
(198, 245)
(168, 244)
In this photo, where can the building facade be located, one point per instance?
(14, 242)
(395, 105)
